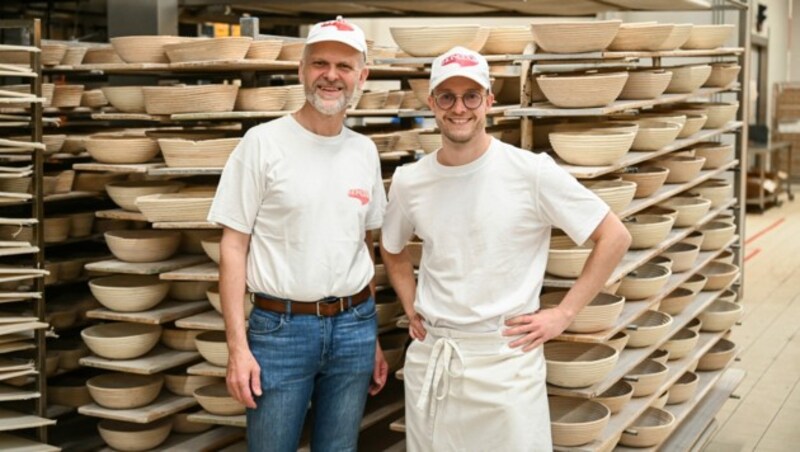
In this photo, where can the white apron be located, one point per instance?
(471, 392)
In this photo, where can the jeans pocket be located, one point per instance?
(265, 322)
(366, 310)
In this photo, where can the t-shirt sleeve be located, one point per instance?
(566, 204)
(240, 188)
(377, 206)
(397, 227)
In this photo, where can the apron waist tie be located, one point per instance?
(445, 362)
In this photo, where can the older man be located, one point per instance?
(475, 374)
(298, 199)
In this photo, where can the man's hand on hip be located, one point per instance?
(536, 328)
(244, 378)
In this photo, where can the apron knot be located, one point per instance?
(445, 362)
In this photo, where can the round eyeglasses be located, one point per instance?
(470, 99)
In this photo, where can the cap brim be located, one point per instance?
(343, 41)
(472, 77)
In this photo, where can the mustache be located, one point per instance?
(324, 84)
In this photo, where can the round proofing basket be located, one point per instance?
(143, 245)
(718, 356)
(127, 99)
(618, 341)
(649, 429)
(182, 153)
(575, 36)
(715, 154)
(708, 36)
(122, 150)
(718, 192)
(646, 377)
(578, 365)
(122, 391)
(647, 84)
(574, 422)
(145, 49)
(690, 209)
(180, 338)
(592, 147)
(216, 400)
(641, 36)
(435, 40)
(681, 168)
(211, 247)
(681, 343)
(677, 300)
(168, 100)
(694, 123)
(129, 293)
(189, 290)
(616, 397)
(647, 231)
(216, 302)
(695, 283)
(677, 37)
(264, 49)
(648, 329)
(716, 235)
(655, 134)
(644, 282)
(600, 314)
(507, 40)
(228, 48)
(582, 90)
(124, 194)
(185, 385)
(567, 261)
(659, 356)
(648, 179)
(212, 347)
(617, 194)
(182, 424)
(687, 79)
(121, 340)
(130, 437)
(683, 389)
(720, 316)
(723, 74)
(719, 275)
(272, 98)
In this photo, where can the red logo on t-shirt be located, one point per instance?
(461, 60)
(339, 24)
(360, 195)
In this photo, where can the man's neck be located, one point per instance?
(315, 122)
(457, 154)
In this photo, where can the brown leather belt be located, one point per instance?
(322, 308)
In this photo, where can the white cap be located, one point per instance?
(460, 62)
(338, 30)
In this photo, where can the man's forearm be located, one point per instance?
(401, 274)
(232, 289)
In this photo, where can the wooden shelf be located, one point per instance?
(18, 251)
(209, 320)
(130, 117)
(157, 360)
(13, 443)
(12, 420)
(633, 157)
(494, 111)
(20, 327)
(208, 271)
(165, 405)
(145, 268)
(164, 312)
(633, 309)
(631, 357)
(169, 171)
(695, 419)
(213, 439)
(141, 168)
(207, 369)
(205, 417)
(635, 258)
(546, 109)
(186, 225)
(120, 214)
(669, 190)
(398, 425)
(11, 393)
(636, 406)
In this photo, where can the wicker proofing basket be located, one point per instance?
(717, 191)
(641, 36)
(127, 99)
(582, 90)
(121, 340)
(507, 40)
(216, 400)
(592, 147)
(575, 36)
(578, 365)
(182, 424)
(189, 290)
(567, 261)
(618, 341)
(101, 54)
(228, 48)
(648, 329)
(67, 96)
(93, 99)
(648, 179)
(648, 231)
(180, 153)
(270, 98)
(716, 235)
(216, 302)
(694, 123)
(600, 314)
(176, 206)
(690, 209)
(145, 49)
(646, 377)
(720, 275)
(167, 100)
(677, 37)
(677, 300)
(723, 74)
(654, 134)
(708, 36)
(645, 84)
(574, 422)
(146, 245)
(122, 150)
(129, 437)
(74, 55)
(687, 79)
(617, 194)
(721, 316)
(185, 385)
(212, 347)
(264, 49)
(124, 194)
(616, 397)
(683, 389)
(433, 41)
(681, 168)
(649, 429)
(718, 356)
(716, 154)
(129, 293)
(121, 391)
(681, 343)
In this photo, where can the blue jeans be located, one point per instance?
(325, 360)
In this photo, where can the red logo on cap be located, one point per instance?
(461, 60)
(339, 24)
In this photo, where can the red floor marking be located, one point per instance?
(753, 253)
(765, 230)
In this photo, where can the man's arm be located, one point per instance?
(381, 371)
(244, 374)
(611, 241)
(401, 274)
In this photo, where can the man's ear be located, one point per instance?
(300, 72)
(362, 78)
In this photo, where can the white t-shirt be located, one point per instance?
(485, 228)
(306, 201)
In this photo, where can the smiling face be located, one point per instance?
(331, 72)
(459, 124)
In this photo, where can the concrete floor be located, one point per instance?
(767, 417)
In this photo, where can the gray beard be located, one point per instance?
(324, 107)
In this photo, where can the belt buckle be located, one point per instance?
(317, 305)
